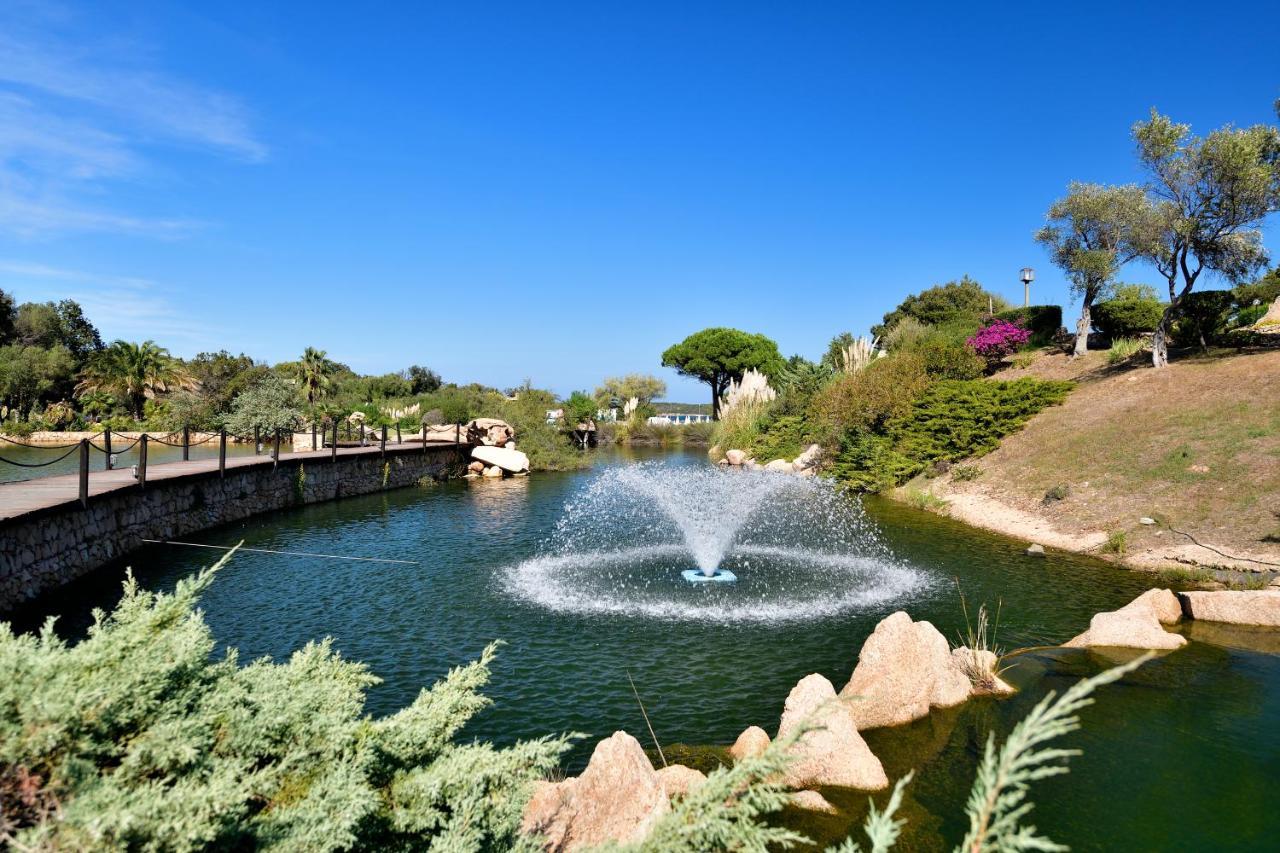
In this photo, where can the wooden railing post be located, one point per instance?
(382, 444)
(313, 435)
(222, 452)
(424, 438)
(362, 434)
(457, 433)
(257, 439)
(106, 443)
(142, 461)
(398, 439)
(84, 472)
(186, 444)
(275, 453)
(333, 448)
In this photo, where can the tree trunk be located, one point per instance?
(1160, 340)
(715, 402)
(1082, 329)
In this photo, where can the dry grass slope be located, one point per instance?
(1196, 446)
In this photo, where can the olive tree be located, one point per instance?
(1209, 198)
(643, 387)
(719, 355)
(1089, 235)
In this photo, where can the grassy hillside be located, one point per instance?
(1196, 446)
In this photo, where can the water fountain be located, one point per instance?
(764, 547)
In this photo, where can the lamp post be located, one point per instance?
(1028, 276)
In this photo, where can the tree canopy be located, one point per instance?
(643, 387)
(718, 355)
(956, 301)
(1090, 234)
(135, 372)
(1209, 198)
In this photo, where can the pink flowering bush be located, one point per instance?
(998, 339)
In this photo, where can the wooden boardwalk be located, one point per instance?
(28, 497)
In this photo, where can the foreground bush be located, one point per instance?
(136, 739)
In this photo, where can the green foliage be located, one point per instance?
(1261, 293)
(422, 380)
(947, 357)
(1042, 321)
(954, 420)
(139, 738)
(949, 420)
(781, 437)
(1123, 349)
(135, 373)
(718, 355)
(1128, 316)
(547, 447)
(998, 802)
(579, 407)
(869, 398)
(1117, 543)
(1202, 316)
(31, 374)
(965, 473)
(925, 500)
(724, 811)
(643, 387)
(8, 316)
(1056, 493)
(272, 404)
(963, 302)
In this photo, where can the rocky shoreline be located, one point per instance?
(905, 669)
(1177, 552)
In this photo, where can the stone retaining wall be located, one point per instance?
(43, 550)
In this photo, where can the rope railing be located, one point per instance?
(271, 443)
(73, 449)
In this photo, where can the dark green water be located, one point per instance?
(1182, 755)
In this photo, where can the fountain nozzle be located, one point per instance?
(716, 576)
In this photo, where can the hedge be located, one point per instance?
(1042, 321)
(1127, 317)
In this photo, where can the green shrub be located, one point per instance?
(139, 738)
(956, 420)
(1202, 316)
(1249, 315)
(1262, 292)
(1128, 316)
(869, 398)
(1123, 349)
(1042, 321)
(965, 473)
(1117, 543)
(946, 357)
(780, 438)
(1059, 492)
(949, 421)
(547, 446)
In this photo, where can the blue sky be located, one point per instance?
(560, 191)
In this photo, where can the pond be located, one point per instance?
(1180, 755)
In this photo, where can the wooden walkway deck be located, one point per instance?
(28, 497)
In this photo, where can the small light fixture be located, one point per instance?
(135, 472)
(1028, 275)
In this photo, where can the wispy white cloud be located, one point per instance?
(127, 307)
(75, 119)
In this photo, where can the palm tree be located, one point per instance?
(135, 372)
(313, 373)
